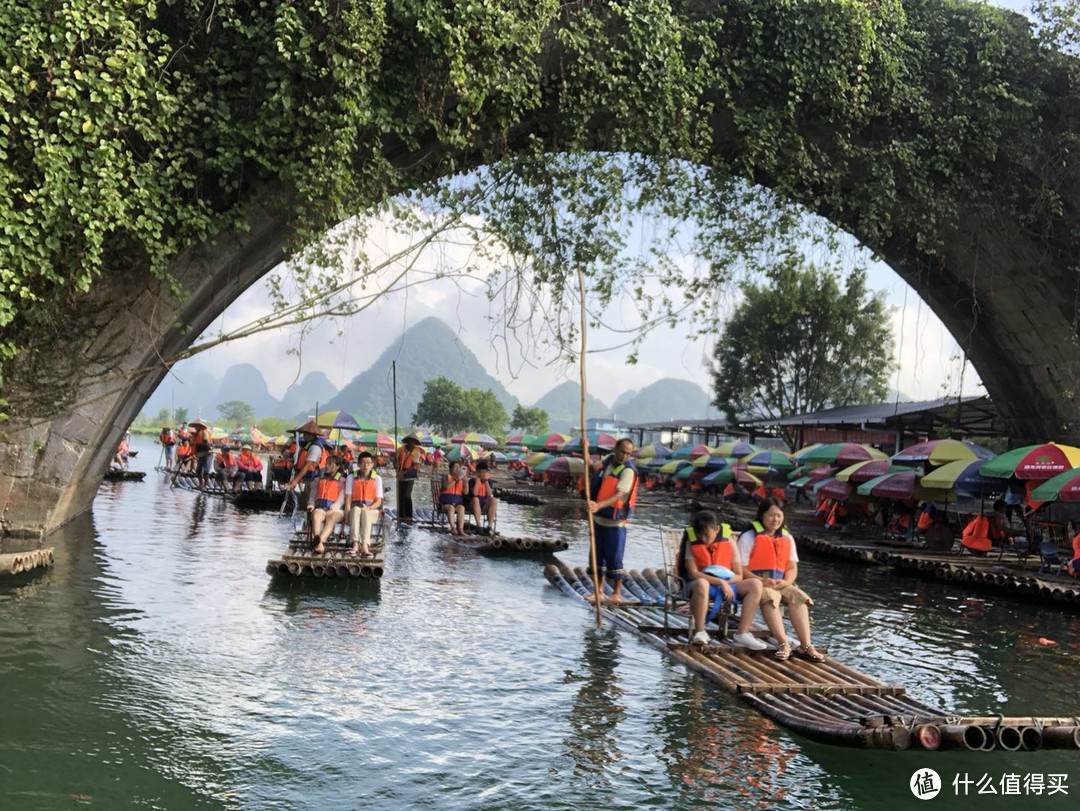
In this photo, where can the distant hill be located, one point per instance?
(246, 383)
(188, 387)
(622, 400)
(563, 407)
(664, 400)
(427, 350)
(301, 398)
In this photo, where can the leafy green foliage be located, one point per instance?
(450, 409)
(529, 420)
(235, 413)
(802, 342)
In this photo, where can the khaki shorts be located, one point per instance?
(789, 595)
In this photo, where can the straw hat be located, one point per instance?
(310, 427)
(411, 438)
(200, 423)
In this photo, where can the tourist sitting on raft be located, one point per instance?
(327, 509)
(249, 470)
(226, 468)
(480, 497)
(711, 571)
(363, 504)
(452, 498)
(770, 555)
(123, 452)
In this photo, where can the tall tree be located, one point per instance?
(449, 409)
(236, 412)
(804, 341)
(484, 412)
(529, 420)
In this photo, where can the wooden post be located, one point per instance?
(598, 594)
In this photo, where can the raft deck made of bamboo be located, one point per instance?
(124, 475)
(301, 560)
(19, 562)
(482, 542)
(825, 701)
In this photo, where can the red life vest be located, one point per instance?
(479, 489)
(226, 459)
(167, 437)
(609, 486)
(249, 461)
(452, 486)
(407, 462)
(301, 460)
(327, 491)
(980, 533)
(770, 555)
(201, 441)
(364, 490)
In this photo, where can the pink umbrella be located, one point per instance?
(832, 488)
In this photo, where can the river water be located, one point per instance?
(156, 665)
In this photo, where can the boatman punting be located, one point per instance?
(168, 441)
(310, 460)
(200, 443)
(614, 495)
(409, 457)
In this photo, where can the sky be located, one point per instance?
(928, 359)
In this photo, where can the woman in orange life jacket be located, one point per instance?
(363, 503)
(408, 470)
(480, 498)
(770, 555)
(249, 470)
(327, 507)
(705, 545)
(452, 498)
(613, 497)
(200, 442)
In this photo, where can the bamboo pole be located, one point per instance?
(598, 595)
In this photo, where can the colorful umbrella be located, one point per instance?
(343, 419)
(462, 453)
(1063, 487)
(818, 474)
(799, 455)
(714, 462)
(870, 469)
(901, 485)
(831, 488)
(566, 464)
(553, 441)
(603, 442)
(692, 452)
(653, 452)
(515, 439)
(536, 458)
(729, 474)
(674, 466)
(940, 451)
(736, 448)
(842, 453)
(768, 460)
(473, 438)
(687, 472)
(1037, 462)
(383, 442)
(962, 475)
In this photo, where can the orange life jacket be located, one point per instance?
(249, 461)
(363, 489)
(407, 462)
(201, 441)
(479, 489)
(183, 449)
(302, 458)
(609, 486)
(167, 437)
(770, 555)
(226, 459)
(327, 491)
(980, 533)
(452, 486)
(719, 553)
(926, 520)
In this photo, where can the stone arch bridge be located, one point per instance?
(953, 164)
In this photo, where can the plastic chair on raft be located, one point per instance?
(1050, 559)
(439, 516)
(722, 612)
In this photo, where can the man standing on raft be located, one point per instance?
(614, 495)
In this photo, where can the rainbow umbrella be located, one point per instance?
(383, 442)
(940, 451)
(674, 466)
(571, 465)
(714, 462)
(818, 474)
(735, 448)
(870, 469)
(693, 452)
(831, 488)
(284, 439)
(343, 419)
(902, 485)
(553, 441)
(730, 474)
(962, 475)
(799, 454)
(515, 439)
(473, 438)
(603, 442)
(653, 452)
(842, 453)
(1038, 462)
(687, 472)
(536, 458)
(769, 460)
(462, 453)
(1063, 487)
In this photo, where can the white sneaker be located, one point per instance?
(701, 638)
(748, 641)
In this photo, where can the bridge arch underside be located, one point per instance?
(997, 268)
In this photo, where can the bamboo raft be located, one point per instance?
(523, 497)
(124, 475)
(985, 573)
(824, 701)
(300, 560)
(19, 562)
(259, 499)
(481, 542)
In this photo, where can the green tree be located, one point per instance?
(163, 416)
(236, 412)
(529, 420)
(274, 426)
(181, 416)
(484, 412)
(442, 406)
(805, 341)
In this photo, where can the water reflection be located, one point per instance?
(598, 707)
